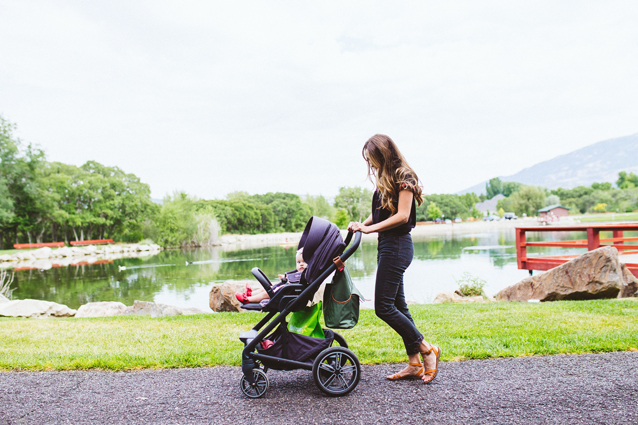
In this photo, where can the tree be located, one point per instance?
(356, 201)
(510, 187)
(18, 173)
(289, 212)
(600, 207)
(627, 181)
(341, 218)
(320, 207)
(493, 187)
(528, 200)
(501, 212)
(552, 200)
(450, 205)
(433, 212)
(469, 199)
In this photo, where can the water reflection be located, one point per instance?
(166, 277)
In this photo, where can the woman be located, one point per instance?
(393, 217)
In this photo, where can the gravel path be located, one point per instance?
(586, 389)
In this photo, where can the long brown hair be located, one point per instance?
(391, 171)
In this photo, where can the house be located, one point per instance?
(553, 212)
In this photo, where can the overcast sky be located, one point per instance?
(211, 97)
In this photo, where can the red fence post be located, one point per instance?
(521, 248)
(618, 234)
(593, 239)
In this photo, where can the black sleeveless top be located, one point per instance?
(379, 214)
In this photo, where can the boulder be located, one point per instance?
(76, 250)
(65, 251)
(631, 283)
(453, 297)
(23, 256)
(154, 309)
(222, 295)
(101, 309)
(42, 253)
(6, 257)
(595, 274)
(35, 309)
(143, 248)
(90, 249)
(4, 299)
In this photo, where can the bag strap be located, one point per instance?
(341, 302)
(339, 263)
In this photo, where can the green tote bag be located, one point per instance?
(341, 302)
(306, 321)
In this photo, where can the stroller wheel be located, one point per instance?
(336, 371)
(259, 388)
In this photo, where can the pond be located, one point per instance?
(439, 261)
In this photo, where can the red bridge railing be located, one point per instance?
(93, 242)
(38, 245)
(592, 242)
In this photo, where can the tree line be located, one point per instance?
(42, 201)
(598, 197)
(51, 201)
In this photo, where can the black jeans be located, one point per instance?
(393, 258)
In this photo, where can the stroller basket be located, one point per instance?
(336, 370)
(293, 346)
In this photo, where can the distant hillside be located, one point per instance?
(600, 162)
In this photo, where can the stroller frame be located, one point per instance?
(330, 362)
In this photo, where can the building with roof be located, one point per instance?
(553, 212)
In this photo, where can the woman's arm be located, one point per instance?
(401, 217)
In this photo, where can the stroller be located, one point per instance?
(336, 370)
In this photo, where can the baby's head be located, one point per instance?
(301, 264)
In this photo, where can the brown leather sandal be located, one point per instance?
(434, 371)
(398, 376)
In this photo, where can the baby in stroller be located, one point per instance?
(260, 294)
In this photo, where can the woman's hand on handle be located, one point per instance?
(355, 226)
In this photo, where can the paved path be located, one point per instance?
(586, 389)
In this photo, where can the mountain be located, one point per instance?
(600, 162)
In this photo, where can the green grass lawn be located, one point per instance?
(473, 331)
(607, 217)
(13, 251)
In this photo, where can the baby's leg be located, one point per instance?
(256, 297)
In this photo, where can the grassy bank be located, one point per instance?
(463, 331)
(593, 218)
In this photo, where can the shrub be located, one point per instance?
(470, 286)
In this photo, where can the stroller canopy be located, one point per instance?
(321, 242)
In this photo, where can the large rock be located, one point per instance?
(65, 251)
(154, 309)
(23, 256)
(222, 295)
(6, 257)
(4, 299)
(453, 297)
(35, 309)
(101, 309)
(595, 274)
(42, 253)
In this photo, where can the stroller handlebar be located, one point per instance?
(352, 248)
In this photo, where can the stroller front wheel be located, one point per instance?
(336, 371)
(259, 387)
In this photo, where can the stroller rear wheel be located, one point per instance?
(257, 389)
(336, 371)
